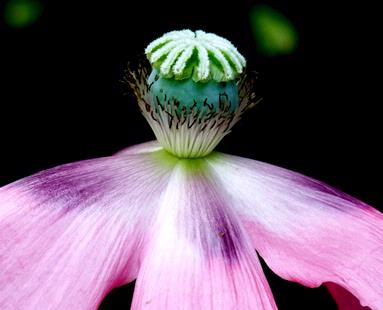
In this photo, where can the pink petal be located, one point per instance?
(142, 148)
(307, 231)
(198, 256)
(70, 234)
(344, 299)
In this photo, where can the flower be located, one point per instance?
(184, 221)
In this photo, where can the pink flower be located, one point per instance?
(188, 229)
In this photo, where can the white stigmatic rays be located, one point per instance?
(176, 53)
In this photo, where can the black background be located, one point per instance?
(61, 99)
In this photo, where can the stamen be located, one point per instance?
(195, 130)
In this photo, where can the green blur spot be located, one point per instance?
(274, 33)
(22, 13)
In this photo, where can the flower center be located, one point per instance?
(194, 93)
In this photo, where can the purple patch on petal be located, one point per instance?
(84, 183)
(229, 239)
(74, 184)
(214, 225)
(70, 234)
(307, 231)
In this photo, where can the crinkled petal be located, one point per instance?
(305, 230)
(198, 256)
(70, 234)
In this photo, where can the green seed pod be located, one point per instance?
(209, 96)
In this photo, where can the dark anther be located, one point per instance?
(221, 123)
(162, 105)
(158, 102)
(165, 97)
(221, 102)
(156, 77)
(177, 115)
(224, 94)
(161, 90)
(170, 119)
(147, 106)
(208, 105)
(152, 115)
(150, 86)
(209, 116)
(184, 120)
(204, 126)
(191, 125)
(228, 123)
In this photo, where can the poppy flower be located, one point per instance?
(187, 222)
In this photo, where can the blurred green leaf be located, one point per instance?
(274, 33)
(22, 13)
